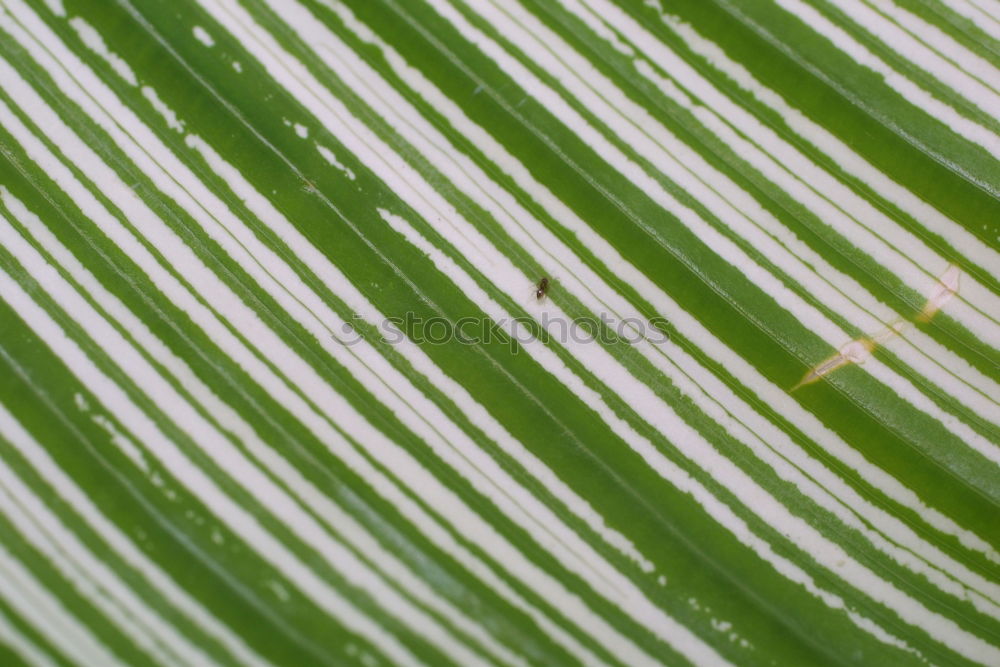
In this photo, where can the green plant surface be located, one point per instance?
(279, 383)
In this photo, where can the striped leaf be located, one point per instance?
(512, 332)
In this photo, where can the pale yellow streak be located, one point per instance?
(860, 349)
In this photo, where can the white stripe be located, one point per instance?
(329, 156)
(168, 114)
(93, 41)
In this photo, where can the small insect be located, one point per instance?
(542, 289)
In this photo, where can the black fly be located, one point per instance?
(542, 289)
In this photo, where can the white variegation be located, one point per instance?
(893, 564)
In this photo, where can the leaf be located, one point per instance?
(499, 332)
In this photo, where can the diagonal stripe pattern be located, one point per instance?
(281, 386)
